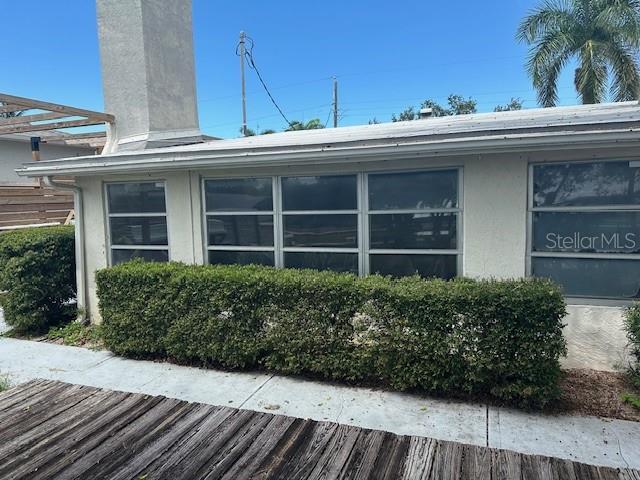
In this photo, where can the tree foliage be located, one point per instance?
(602, 35)
(456, 105)
(514, 104)
(313, 124)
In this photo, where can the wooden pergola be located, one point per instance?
(31, 205)
(33, 116)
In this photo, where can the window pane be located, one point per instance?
(320, 193)
(338, 262)
(441, 266)
(241, 258)
(422, 230)
(581, 184)
(338, 231)
(255, 230)
(239, 194)
(610, 232)
(591, 277)
(138, 230)
(121, 256)
(146, 197)
(436, 189)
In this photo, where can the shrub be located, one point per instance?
(462, 337)
(37, 275)
(632, 327)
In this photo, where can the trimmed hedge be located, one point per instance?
(37, 277)
(632, 328)
(462, 337)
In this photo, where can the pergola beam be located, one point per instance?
(27, 119)
(28, 103)
(49, 126)
(11, 108)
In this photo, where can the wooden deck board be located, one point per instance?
(56, 430)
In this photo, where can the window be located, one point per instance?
(392, 223)
(585, 228)
(320, 222)
(240, 221)
(137, 221)
(413, 223)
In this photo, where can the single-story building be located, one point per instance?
(546, 192)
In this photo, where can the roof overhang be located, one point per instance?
(563, 128)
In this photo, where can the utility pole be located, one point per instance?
(335, 102)
(244, 96)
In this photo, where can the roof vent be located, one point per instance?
(426, 112)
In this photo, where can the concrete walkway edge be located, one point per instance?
(584, 439)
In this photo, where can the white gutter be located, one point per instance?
(325, 154)
(81, 282)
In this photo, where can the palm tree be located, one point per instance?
(604, 35)
(313, 124)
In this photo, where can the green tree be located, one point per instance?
(514, 104)
(458, 105)
(310, 125)
(604, 37)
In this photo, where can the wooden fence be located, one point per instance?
(20, 206)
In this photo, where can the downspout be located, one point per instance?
(81, 279)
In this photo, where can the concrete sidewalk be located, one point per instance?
(584, 439)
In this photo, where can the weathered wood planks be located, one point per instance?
(55, 430)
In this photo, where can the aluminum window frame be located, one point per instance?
(109, 216)
(358, 212)
(459, 211)
(362, 211)
(532, 209)
(220, 213)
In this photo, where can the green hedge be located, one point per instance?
(632, 327)
(37, 277)
(462, 338)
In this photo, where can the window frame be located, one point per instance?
(109, 216)
(458, 251)
(362, 212)
(220, 213)
(532, 209)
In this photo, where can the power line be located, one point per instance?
(252, 64)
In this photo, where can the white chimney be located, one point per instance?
(148, 75)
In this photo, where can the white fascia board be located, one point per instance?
(134, 163)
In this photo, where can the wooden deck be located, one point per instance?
(54, 430)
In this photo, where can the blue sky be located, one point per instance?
(386, 55)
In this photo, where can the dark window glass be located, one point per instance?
(320, 193)
(591, 277)
(413, 230)
(338, 231)
(241, 258)
(146, 197)
(427, 266)
(600, 232)
(338, 262)
(393, 191)
(255, 230)
(584, 184)
(121, 256)
(138, 230)
(239, 194)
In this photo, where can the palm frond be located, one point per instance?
(546, 60)
(552, 15)
(625, 84)
(620, 18)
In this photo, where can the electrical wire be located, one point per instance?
(252, 64)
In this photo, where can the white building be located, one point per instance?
(548, 192)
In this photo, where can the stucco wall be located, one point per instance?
(494, 234)
(13, 153)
